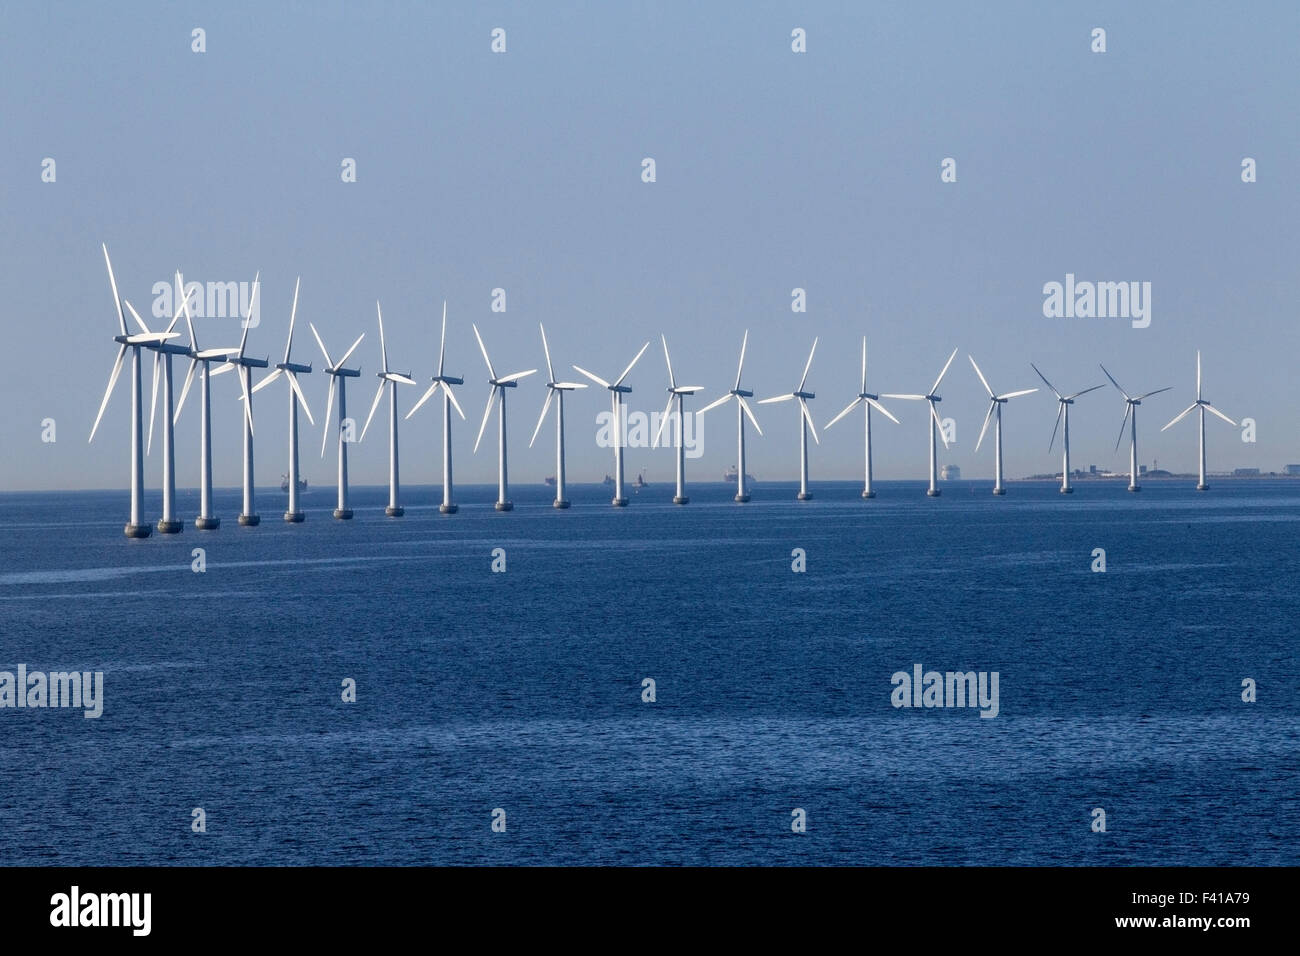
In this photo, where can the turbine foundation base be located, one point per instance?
(136, 530)
(207, 524)
(170, 527)
(741, 498)
(933, 492)
(1202, 487)
(343, 514)
(505, 506)
(619, 502)
(1134, 487)
(559, 503)
(681, 500)
(394, 511)
(250, 521)
(1066, 490)
(804, 496)
(868, 494)
(446, 509)
(999, 491)
(294, 517)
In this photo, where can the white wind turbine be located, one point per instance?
(1063, 403)
(555, 390)
(201, 360)
(868, 401)
(742, 409)
(162, 368)
(291, 371)
(676, 393)
(339, 377)
(995, 411)
(1131, 419)
(133, 341)
(388, 378)
(1202, 406)
(617, 390)
(245, 365)
(933, 398)
(805, 423)
(499, 386)
(445, 382)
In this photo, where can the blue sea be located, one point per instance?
(522, 691)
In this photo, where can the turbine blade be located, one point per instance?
(185, 389)
(117, 301)
(1115, 383)
(487, 413)
(944, 372)
(987, 417)
(136, 315)
(807, 416)
(329, 363)
(1049, 384)
(112, 379)
(852, 405)
(424, 398)
(595, 378)
(442, 349)
(1156, 392)
(749, 413)
(628, 370)
(222, 369)
(293, 314)
(329, 407)
(672, 382)
(550, 369)
(864, 363)
(482, 348)
(1123, 422)
(516, 376)
(248, 318)
(184, 296)
(776, 398)
(1085, 391)
(1060, 411)
(348, 354)
(248, 401)
(383, 347)
(909, 398)
(1023, 391)
(935, 415)
(546, 407)
(883, 410)
(383, 383)
(302, 399)
(1214, 411)
(268, 380)
(713, 405)
(1198, 375)
(806, 367)
(663, 420)
(1183, 414)
(741, 367)
(983, 380)
(153, 402)
(451, 397)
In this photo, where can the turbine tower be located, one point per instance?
(805, 423)
(388, 378)
(933, 398)
(445, 382)
(1202, 406)
(291, 371)
(201, 360)
(742, 409)
(868, 401)
(617, 390)
(1063, 419)
(555, 390)
(1131, 419)
(248, 516)
(677, 393)
(995, 411)
(162, 368)
(339, 377)
(133, 341)
(499, 386)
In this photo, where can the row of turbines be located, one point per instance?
(235, 358)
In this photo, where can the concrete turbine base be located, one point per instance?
(207, 524)
(619, 502)
(804, 496)
(504, 506)
(448, 509)
(250, 521)
(933, 492)
(294, 517)
(170, 527)
(559, 503)
(394, 512)
(1066, 491)
(136, 530)
(741, 498)
(1202, 487)
(868, 494)
(343, 514)
(1134, 487)
(681, 500)
(999, 491)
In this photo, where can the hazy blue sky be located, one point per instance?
(775, 170)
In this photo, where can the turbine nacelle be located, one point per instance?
(295, 367)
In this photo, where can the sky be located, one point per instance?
(774, 171)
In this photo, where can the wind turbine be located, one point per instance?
(248, 517)
(201, 360)
(445, 382)
(162, 368)
(555, 390)
(291, 371)
(933, 398)
(995, 411)
(742, 409)
(339, 377)
(1063, 419)
(387, 378)
(677, 393)
(133, 341)
(617, 390)
(1130, 412)
(499, 386)
(805, 423)
(1202, 405)
(868, 402)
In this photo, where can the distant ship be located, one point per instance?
(640, 482)
(732, 473)
(549, 479)
(609, 480)
(950, 473)
(284, 483)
